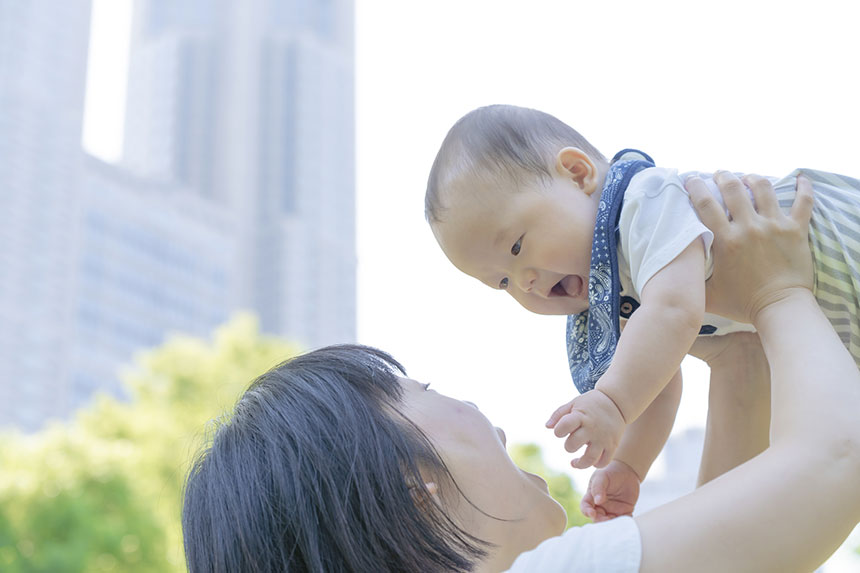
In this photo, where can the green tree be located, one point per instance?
(529, 458)
(102, 492)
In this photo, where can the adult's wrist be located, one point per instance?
(780, 306)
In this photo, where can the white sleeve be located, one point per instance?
(657, 223)
(608, 547)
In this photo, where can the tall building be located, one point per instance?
(235, 190)
(43, 59)
(250, 106)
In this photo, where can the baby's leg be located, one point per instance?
(738, 407)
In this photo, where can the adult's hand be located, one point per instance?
(760, 255)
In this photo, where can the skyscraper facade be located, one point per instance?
(235, 190)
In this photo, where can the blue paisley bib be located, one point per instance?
(592, 335)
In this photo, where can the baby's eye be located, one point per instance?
(515, 250)
(503, 284)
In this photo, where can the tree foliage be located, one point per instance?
(102, 492)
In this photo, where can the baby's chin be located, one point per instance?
(558, 307)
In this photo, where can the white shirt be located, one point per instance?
(657, 223)
(608, 547)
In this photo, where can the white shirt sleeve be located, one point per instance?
(608, 547)
(657, 223)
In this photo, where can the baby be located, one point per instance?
(522, 202)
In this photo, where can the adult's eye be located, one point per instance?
(515, 250)
(503, 284)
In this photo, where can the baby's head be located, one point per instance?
(512, 198)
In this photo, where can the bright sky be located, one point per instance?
(737, 87)
(747, 86)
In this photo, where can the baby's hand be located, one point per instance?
(612, 492)
(592, 419)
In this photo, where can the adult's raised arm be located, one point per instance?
(790, 507)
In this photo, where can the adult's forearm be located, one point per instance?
(814, 376)
(788, 508)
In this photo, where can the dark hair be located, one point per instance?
(499, 142)
(312, 472)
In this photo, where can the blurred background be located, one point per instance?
(193, 190)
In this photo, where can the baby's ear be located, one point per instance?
(575, 164)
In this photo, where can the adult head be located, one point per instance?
(334, 460)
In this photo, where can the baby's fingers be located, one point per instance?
(597, 487)
(592, 454)
(602, 515)
(568, 424)
(587, 506)
(556, 416)
(576, 440)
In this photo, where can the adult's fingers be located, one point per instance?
(763, 194)
(801, 209)
(735, 196)
(709, 210)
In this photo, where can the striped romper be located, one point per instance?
(834, 238)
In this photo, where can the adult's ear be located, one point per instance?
(574, 163)
(421, 494)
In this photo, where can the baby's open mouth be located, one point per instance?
(571, 285)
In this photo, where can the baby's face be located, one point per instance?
(534, 243)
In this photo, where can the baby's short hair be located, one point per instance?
(499, 142)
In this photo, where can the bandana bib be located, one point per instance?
(592, 335)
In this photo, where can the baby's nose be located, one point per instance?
(526, 280)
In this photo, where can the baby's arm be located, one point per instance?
(650, 350)
(658, 335)
(645, 438)
(614, 490)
